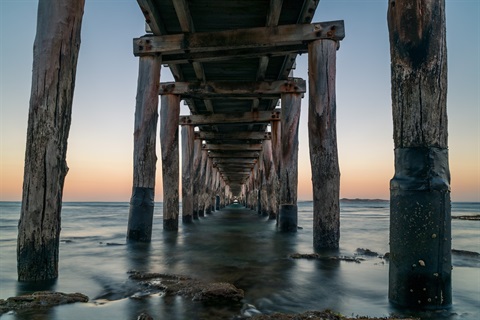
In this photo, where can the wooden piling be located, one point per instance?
(169, 118)
(276, 128)
(201, 184)
(56, 47)
(196, 174)
(323, 143)
(140, 217)
(271, 180)
(420, 228)
(291, 105)
(208, 186)
(188, 137)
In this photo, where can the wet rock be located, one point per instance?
(249, 310)
(366, 252)
(144, 316)
(472, 217)
(41, 299)
(316, 315)
(316, 256)
(464, 253)
(185, 286)
(218, 291)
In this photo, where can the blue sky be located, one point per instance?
(101, 136)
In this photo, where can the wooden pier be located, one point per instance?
(233, 65)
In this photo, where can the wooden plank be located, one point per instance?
(231, 118)
(57, 43)
(253, 39)
(233, 147)
(229, 89)
(323, 144)
(242, 135)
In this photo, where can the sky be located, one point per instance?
(100, 146)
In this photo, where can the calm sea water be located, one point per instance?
(236, 246)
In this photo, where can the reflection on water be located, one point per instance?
(233, 245)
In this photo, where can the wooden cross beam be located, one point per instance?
(233, 147)
(233, 154)
(242, 135)
(205, 46)
(231, 118)
(234, 89)
(234, 161)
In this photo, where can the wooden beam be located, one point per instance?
(150, 12)
(234, 160)
(230, 147)
(229, 89)
(243, 135)
(183, 15)
(233, 154)
(234, 166)
(253, 39)
(231, 118)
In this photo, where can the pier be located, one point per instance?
(233, 64)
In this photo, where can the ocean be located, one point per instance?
(236, 246)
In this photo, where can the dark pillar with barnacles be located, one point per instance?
(420, 226)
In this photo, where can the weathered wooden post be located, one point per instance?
(55, 54)
(201, 184)
(420, 226)
(207, 187)
(140, 217)
(323, 143)
(290, 116)
(276, 129)
(270, 179)
(169, 119)
(217, 190)
(196, 174)
(188, 137)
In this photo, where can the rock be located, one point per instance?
(316, 256)
(41, 299)
(144, 316)
(218, 291)
(472, 217)
(465, 253)
(189, 287)
(366, 252)
(316, 315)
